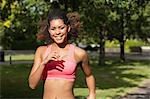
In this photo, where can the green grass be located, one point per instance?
(115, 43)
(112, 80)
(19, 57)
(116, 79)
(128, 43)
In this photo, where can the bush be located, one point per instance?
(135, 49)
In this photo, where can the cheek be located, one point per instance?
(65, 31)
(51, 33)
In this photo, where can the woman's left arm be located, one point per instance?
(90, 80)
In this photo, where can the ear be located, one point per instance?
(69, 28)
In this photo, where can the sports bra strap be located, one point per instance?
(71, 52)
(47, 50)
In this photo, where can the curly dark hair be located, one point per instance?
(72, 19)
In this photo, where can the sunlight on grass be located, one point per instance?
(128, 43)
(19, 57)
(102, 94)
(82, 92)
(112, 80)
(115, 80)
(110, 93)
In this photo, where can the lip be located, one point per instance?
(58, 37)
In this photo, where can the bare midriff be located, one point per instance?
(58, 89)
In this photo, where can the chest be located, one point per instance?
(65, 67)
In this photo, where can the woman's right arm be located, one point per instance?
(37, 69)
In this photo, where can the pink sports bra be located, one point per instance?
(61, 69)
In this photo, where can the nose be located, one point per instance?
(58, 31)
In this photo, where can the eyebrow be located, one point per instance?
(59, 26)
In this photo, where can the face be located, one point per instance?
(58, 31)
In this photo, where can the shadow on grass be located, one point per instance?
(113, 75)
(117, 62)
(80, 97)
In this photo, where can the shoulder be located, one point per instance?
(80, 50)
(41, 49)
(80, 53)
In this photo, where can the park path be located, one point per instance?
(141, 92)
(16, 62)
(132, 56)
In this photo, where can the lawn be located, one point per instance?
(112, 80)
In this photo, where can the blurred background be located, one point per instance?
(115, 33)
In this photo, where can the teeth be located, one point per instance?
(58, 37)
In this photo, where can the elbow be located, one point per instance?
(32, 86)
(90, 77)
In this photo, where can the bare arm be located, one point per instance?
(38, 66)
(90, 80)
(37, 69)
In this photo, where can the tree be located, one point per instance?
(95, 24)
(142, 23)
(124, 25)
(23, 17)
(113, 19)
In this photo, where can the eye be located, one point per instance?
(52, 28)
(62, 27)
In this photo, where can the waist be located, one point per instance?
(58, 88)
(61, 77)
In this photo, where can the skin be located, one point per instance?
(60, 88)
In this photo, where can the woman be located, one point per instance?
(57, 62)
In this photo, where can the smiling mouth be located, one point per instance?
(58, 37)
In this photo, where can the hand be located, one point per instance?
(52, 56)
(58, 65)
(91, 96)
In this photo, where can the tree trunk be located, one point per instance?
(122, 52)
(121, 39)
(74, 4)
(102, 49)
(66, 5)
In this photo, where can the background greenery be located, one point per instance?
(106, 23)
(108, 20)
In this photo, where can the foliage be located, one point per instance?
(20, 23)
(102, 19)
(114, 19)
(129, 17)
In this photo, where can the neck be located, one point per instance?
(63, 45)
